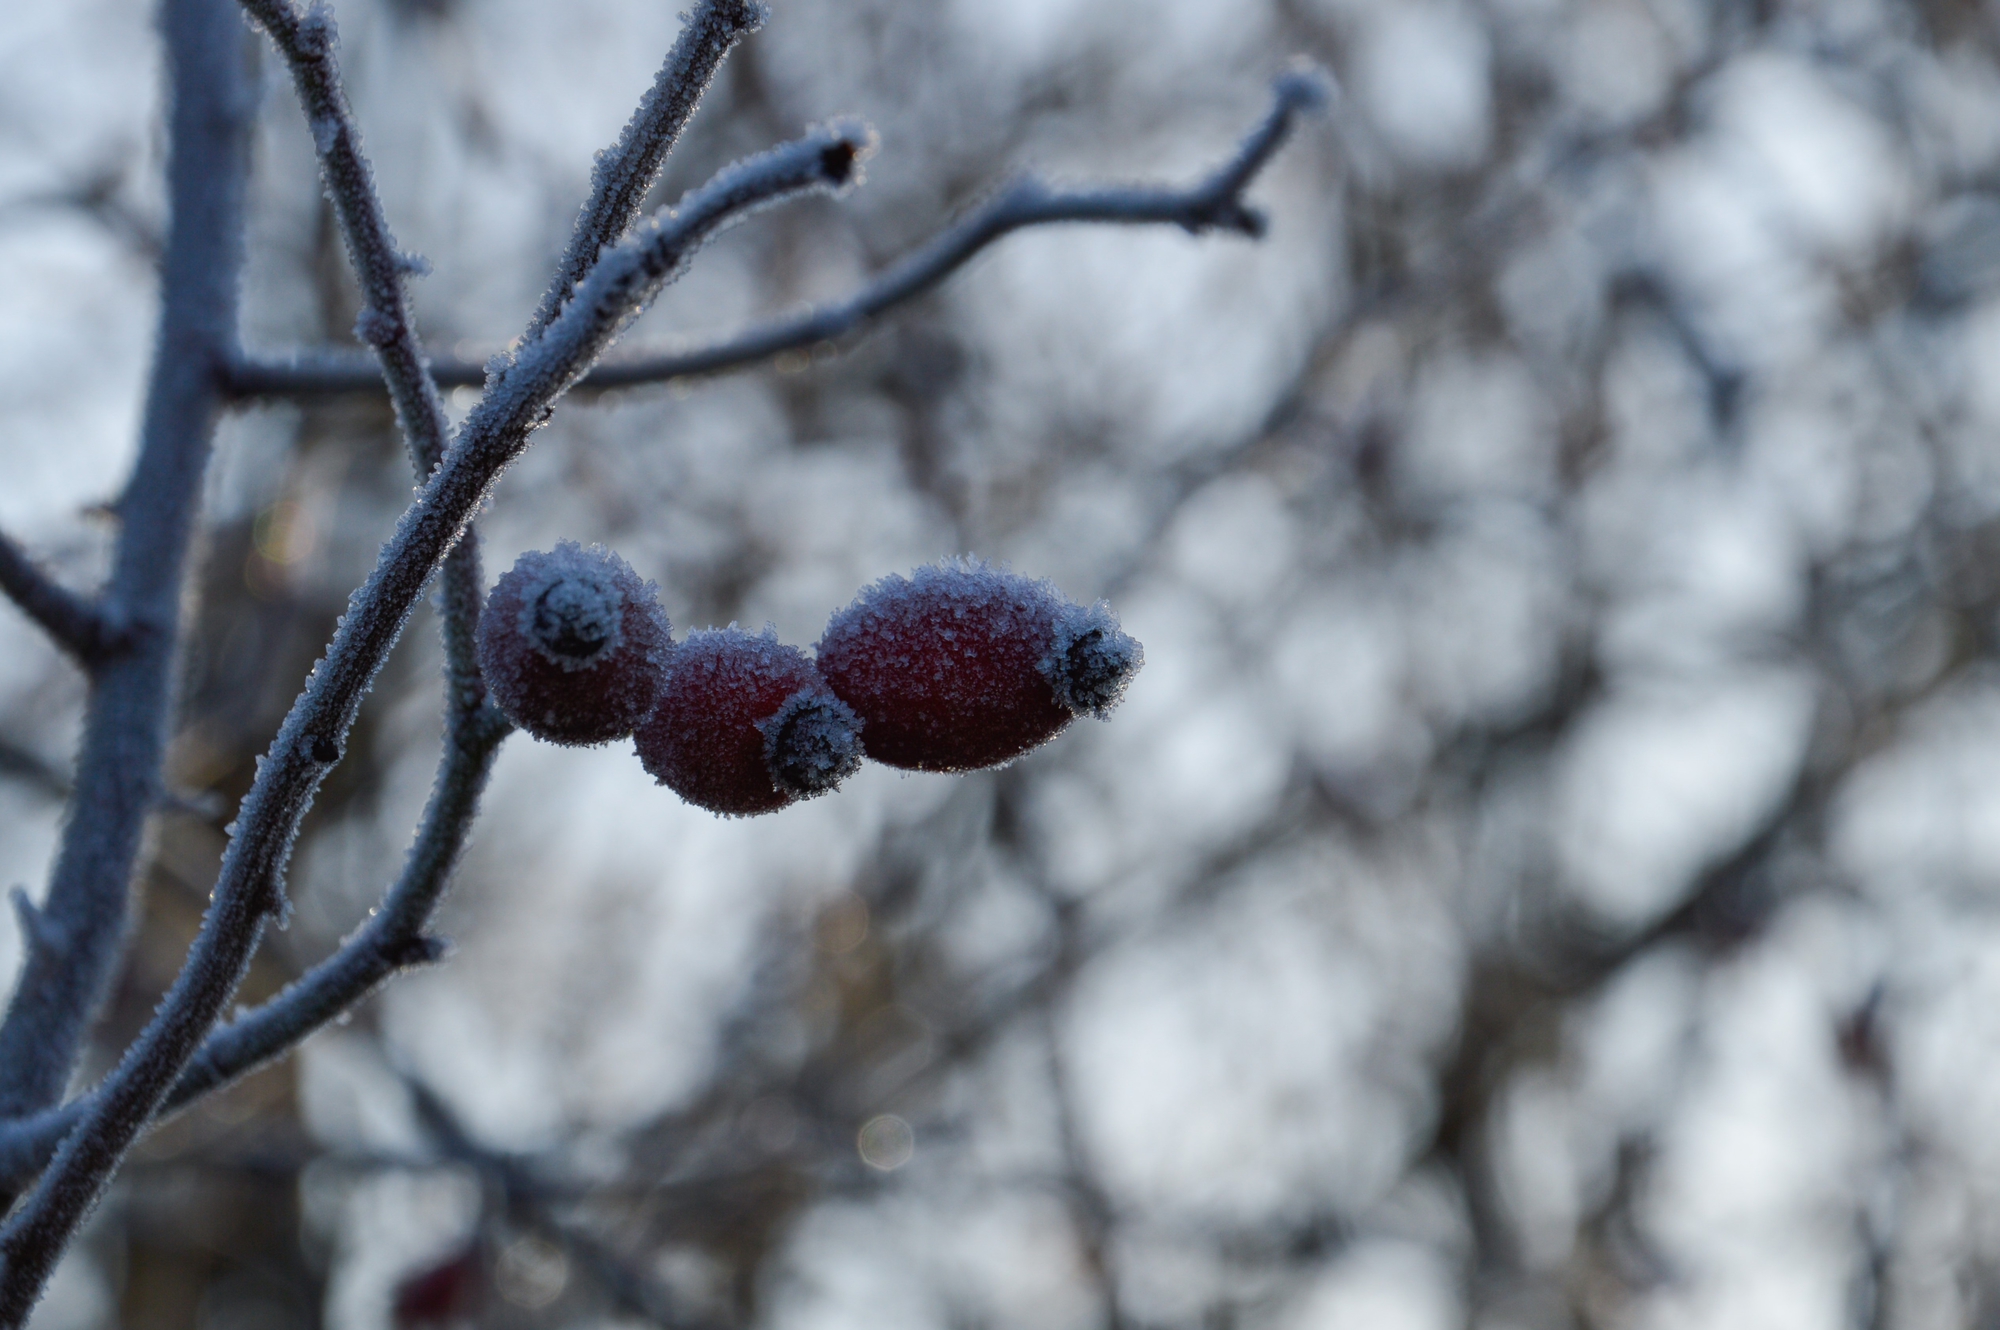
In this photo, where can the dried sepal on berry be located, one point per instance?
(746, 725)
(572, 644)
(964, 665)
(1091, 661)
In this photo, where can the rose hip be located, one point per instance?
(746, 725)
(963, 665)
(572, 644)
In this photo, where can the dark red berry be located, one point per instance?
(962, 665)
(572, 644)
(441, 1294)
(746, 725)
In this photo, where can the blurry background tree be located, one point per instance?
(1545, 875)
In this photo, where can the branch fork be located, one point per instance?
(90, 631)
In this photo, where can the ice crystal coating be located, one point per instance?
(573, 644)
(964, 665)
(1091, 661)
(746, 725)
(813, 743)
(573, 620)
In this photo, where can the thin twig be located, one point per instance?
(619, 184)
(309, 45)
(393, 939)
(1092, 1210)
(626, 173)
(1214, 204)
(249, 889)
(626, 278)
(72, 622)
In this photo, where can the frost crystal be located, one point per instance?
(812, 744)
(1091, 660)
(574, 619)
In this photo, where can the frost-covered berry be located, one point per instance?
(746, 725)
(572, 644)
(963, 665)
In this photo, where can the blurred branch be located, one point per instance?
(72, 622)
(51, 781)
(1519, 984)
(77, 935)
(249, 888)
(80, 936)
(633, 1290)
(33, 770)
(1215, 204)
(98, 194)
(1090, 1206)
(626, 173)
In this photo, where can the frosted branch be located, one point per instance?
(393, 939)
(77, 934)
(626, 172)
(1214, 204)
(627, 277)
(249, 889)
(310, 47)
(72, 623)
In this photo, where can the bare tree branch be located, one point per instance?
(624, 174)
(1214, 204)
(309, 44)
(626, 279)
(72, 622)
(249, 889)
(527, 1202)
(392, 939)
(308, 41)
(598, 289)
(83, 918)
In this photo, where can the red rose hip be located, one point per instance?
(572, 644)
(963, 665)
(746, 725)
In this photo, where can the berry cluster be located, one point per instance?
(959, 666)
